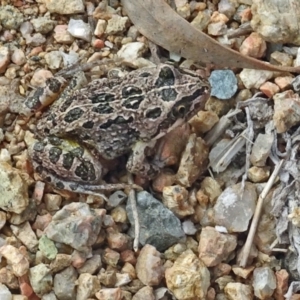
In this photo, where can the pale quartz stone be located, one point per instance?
(122, 279)
(280, 58)
(61, 34)
(80, 29)
(43, 24)
(261, 149)
(257, 174)
(87, 286)
(52, 201)
(188, 278)
(149, 266)
(100, 28)
(243, 272)
(53, 59)
(116, 24)
(286, 110)
(194, 161)
(18, 57)
(145, 293)
(131, 54)
(175, 198)
(215, 247)
(255, 78)
(211, 188)
(26, 235)
(14, 189)
(16, 259)
(238, 291)
(111, 257)
(264, 282)
(65, 7)
(77, 225)
(41, 279)
(189, 227)
(203, 121)
(5, 294)
(276, 25)
(129, 269)
(105, 294)
(201, 21)
(235, 207)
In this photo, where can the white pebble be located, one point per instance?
(189, 227)
(79, 29)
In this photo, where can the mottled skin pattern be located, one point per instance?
(111, 117)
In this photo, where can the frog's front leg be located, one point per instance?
(138, 163)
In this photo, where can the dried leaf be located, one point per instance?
(163, 26)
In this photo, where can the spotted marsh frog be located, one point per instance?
(90, 126)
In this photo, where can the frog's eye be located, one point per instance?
(179, 111)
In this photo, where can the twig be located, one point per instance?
(254, 224)
(249, 138)
(220, 128)
(281, 250)
(135, 215)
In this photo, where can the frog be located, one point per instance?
(92, 124)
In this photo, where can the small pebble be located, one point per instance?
(43, 24)
(39, 77)
(79, 29)
(100, 28)
(10, 17)
(69, 7)
(4, 58)
(264, 282)
(116, 24)
(223, 83)
(18, 57)
(254, 45)
(255, 78)
(269, 89)
(53, 59)
(61, 34)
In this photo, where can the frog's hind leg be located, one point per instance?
(67, 165)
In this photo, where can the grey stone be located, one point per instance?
(223, 83)
(41, 279)
(64, 284)
(261, 149)
(10, 17)
(159, 227)
(296, 84)
(235, 207)
(76, 225)
(264, 282)
(116, 199)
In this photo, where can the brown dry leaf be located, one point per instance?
(163, 26)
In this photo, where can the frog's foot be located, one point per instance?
(138, 164)
(84, 188)
(105, 187)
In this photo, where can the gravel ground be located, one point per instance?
(236, 156)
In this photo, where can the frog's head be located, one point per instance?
(176, 96)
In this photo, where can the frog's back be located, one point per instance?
(111, 115)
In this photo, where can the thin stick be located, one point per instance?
(135, 215)
(254, 224)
